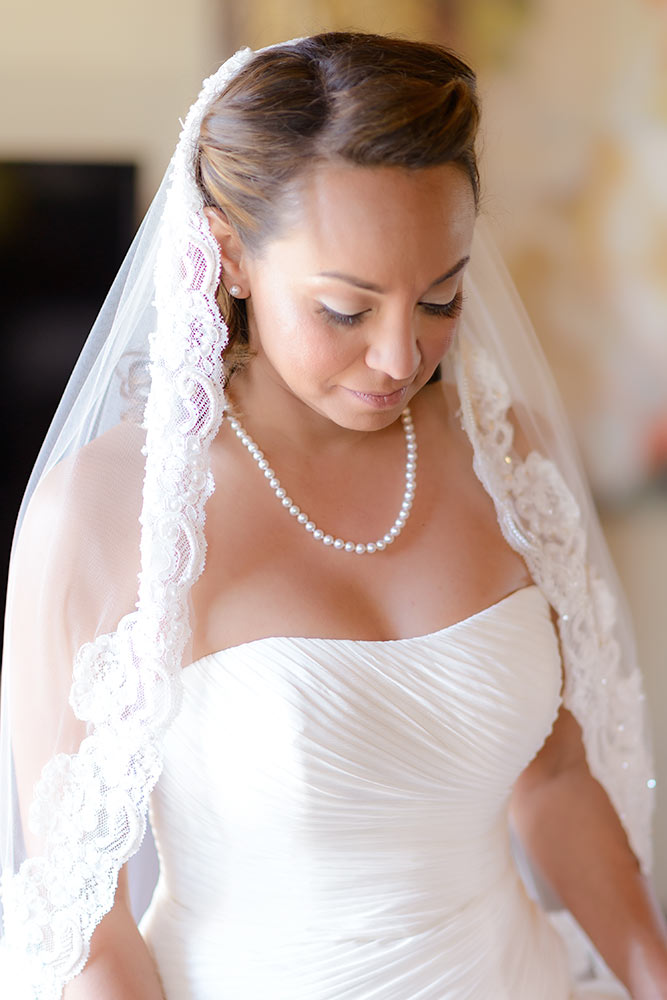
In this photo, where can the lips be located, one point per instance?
(380, 400)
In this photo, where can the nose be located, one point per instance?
(394, 351)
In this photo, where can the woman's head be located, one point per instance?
(337, 98)
(353, 306)
(360, 99)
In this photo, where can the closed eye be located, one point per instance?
(341, 319)
(449, 310)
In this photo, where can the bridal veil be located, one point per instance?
(111, 537)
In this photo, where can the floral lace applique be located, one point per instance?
(541, 520)
(90, 807)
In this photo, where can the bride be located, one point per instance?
(404, 639)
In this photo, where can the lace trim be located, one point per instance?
(541, 520)
(91, 806)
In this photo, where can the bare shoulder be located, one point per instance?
(91, 480)
(76, 557)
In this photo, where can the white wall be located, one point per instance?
(90, 81)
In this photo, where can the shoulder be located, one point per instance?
(84, 494)
(76, 556)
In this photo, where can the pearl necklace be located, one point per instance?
(302, 518)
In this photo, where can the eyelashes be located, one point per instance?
(450, 310)
(341, 319)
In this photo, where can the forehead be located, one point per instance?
(379, 218)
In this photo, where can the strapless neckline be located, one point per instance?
(332, 817)
(335, 641)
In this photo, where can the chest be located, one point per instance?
(265, 575)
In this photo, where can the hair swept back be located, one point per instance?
(366, 99)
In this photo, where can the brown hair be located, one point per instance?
(341, 96)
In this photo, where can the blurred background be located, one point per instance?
(574, 158)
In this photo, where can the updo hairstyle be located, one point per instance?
(345, 97)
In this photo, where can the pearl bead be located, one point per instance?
(360, 548)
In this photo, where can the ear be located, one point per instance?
(232, 252)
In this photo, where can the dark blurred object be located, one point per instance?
(64, 229)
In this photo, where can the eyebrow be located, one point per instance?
(369, 286)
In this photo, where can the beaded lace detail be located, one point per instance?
(101, 794)
(90, 807)
(540, 519)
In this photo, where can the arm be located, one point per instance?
(573, 834)
(73, 576)
(120, 966)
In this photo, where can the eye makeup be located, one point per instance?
(447, 310)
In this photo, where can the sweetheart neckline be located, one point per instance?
(367, 642)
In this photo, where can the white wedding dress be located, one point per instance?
(332, 818)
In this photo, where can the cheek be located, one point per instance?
(436, 342)
(321, 350)
(274, 309)
(297, 343)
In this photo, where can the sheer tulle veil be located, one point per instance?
(91, 668)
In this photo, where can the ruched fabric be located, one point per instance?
(332, 818)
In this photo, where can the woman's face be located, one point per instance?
(354, 305)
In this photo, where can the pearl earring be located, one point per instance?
(235, 291)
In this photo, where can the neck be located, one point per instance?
(271, 411)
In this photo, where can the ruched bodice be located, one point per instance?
(332, 819)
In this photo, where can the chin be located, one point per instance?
(364, 417)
